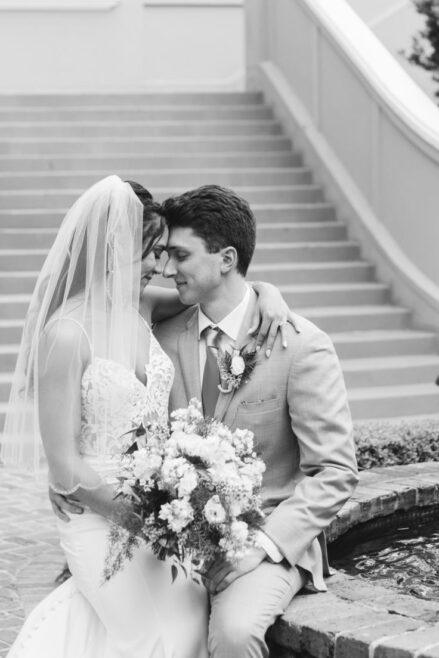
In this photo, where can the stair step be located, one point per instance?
(300, 231)
(159, 177)
(391, 371)
(10, 330)
(394, 401)
(369, 344)
(12, 238)
(317, 211)
(29, 259)
(336, 319)
(350, 294)
(95, 129)
(139, 144)
(298, 212)
(128, 99)
(5, 386)
(311, 273)
(305, 252)
(134, 112)
(8, 357)
(14, 307)
(126, 161)
(25, 199)
(27, 238)
(17, 283)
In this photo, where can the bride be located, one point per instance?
(89, 370)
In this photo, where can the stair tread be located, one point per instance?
(381, 334)
(398, 419)
(310, 266)
(304, 243)
(137, 155)
(146, 171)
(255, 206)
(300, 225)
(392, 391)
(240, 189)
(140, 138)
(379, 362)
(11, 323)
(9, 349)
(123, 108)
(18, 297)
(303, 287)
(351, 310)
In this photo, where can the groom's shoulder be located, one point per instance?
(175, 324)
(304, 333)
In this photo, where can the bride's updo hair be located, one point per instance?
(153, 221)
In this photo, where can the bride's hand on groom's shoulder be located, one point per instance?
(271, 316)
(222, 573)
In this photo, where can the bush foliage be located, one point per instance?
(425, 45)
(385, 443)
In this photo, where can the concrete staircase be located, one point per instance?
(53, 147)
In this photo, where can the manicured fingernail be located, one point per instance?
(285, 344)
(258, 347)
(267, 353)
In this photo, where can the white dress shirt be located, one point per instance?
(231, 327)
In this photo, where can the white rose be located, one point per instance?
(214, 511)
(187, 483)
(237, 366)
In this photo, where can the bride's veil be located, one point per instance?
(88, 288)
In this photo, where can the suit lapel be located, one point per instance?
(225, 399)
(189, 357)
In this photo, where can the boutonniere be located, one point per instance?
(235, 367)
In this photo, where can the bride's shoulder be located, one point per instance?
(65, 333)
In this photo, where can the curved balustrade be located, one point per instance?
(371, 134)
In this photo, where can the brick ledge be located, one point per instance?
(356, 618)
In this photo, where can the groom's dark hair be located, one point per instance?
(218, 216)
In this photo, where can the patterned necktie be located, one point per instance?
(211, 376)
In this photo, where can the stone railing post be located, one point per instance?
(256, 39)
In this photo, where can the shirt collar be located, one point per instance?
(231, 324)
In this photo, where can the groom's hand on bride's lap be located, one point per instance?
(222, 573)
(61, 505)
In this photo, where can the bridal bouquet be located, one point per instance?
(195, 492)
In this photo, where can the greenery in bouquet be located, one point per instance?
(195, 492)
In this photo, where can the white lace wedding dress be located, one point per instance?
(139, 613)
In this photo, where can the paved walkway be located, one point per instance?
(30, 557)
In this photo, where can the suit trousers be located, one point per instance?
(242, 613)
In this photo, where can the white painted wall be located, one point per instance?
(132, 45)
(368, 131)
(395, 22)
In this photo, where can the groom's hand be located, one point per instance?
(222, 572)
(61, 505)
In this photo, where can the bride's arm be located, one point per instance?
(63, 355)
(158, 304)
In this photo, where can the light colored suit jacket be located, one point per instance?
(295, 404)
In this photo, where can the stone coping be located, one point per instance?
(356, 618)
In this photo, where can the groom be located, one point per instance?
(294, 403)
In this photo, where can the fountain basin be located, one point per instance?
(357, 618)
